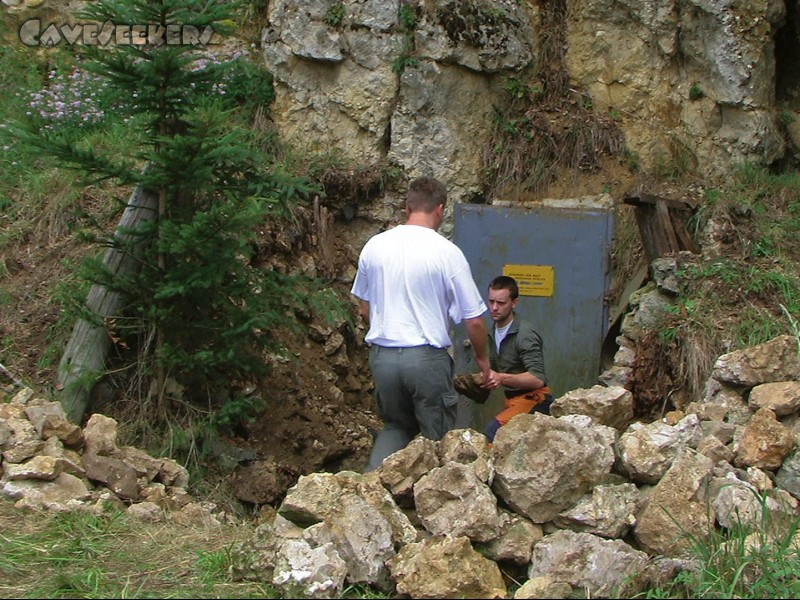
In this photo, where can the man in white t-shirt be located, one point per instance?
(411, 283)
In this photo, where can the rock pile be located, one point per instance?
(586, 502)
(50, 463)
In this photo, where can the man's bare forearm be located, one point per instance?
(363, 310)
(522, 381)
(476, 331)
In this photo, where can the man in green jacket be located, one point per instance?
(516, 356)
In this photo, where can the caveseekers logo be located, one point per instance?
(32, 33)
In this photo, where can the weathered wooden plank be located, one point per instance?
(661, 223)
(653, 238)
(645, 198)
(665, 225)
(685, 241)
(85, 353)
(634, 283)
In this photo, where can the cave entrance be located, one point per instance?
(787, 49)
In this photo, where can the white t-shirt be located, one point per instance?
(415, 281)
(500, 333)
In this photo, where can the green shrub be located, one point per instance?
(407, 16)
(335, 14)
(696, 92)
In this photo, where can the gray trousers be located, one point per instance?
(415, 395)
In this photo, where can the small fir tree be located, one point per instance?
(196, 309)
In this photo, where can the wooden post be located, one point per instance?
(84, 357)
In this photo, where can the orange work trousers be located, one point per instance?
(522, 404)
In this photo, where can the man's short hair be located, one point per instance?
(504, 282)
(425, 194)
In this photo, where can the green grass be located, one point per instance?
(82, 555)
(111, 555)
(743, 296)
(66, 300)
(36, 197)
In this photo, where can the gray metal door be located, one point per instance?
(559, 252)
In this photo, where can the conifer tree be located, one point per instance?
(197, 311)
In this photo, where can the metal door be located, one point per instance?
(566, 245)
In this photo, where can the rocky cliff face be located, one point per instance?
(695, 74)
(696, 83)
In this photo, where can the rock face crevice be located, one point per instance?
(787, 47)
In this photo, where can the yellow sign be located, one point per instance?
(533, 280)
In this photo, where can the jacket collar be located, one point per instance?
(513, 329)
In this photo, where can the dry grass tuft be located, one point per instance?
(549, 130)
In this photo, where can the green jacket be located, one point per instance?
(521, 350)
